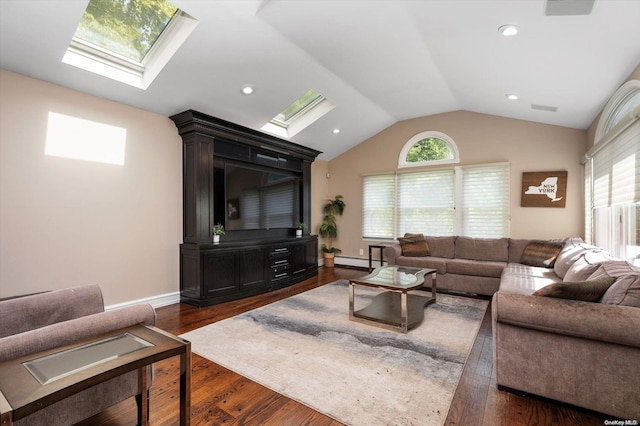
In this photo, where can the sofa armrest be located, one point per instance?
(39, 310)
(594, 321)
(66, 332)
(392, 252)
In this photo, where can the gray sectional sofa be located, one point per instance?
(585, 353)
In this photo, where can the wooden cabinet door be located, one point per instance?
(220, 273)
(253, 272)
(298, 259)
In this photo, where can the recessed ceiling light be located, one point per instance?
(512, 97)
(335, 131)
(509, 30)
(247, 89)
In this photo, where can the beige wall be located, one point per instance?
(480, 138)
(319, 192)
(68, 222)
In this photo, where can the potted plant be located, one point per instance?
(217, 230)
(299, 229)
(329, 229)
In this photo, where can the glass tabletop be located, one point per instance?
(61, 364)
(395, 277)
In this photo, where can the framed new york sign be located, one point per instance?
(544, 189)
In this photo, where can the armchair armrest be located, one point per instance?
(594, 321)
(62, 333)
(39, 310)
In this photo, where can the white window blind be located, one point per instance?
(425, 203)
(483, 201)
(379, 206)
(616, 170)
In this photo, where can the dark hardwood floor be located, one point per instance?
(221, 397)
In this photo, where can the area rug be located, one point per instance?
(305, 348)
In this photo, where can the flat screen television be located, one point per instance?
(260, 198)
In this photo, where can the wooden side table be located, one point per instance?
(35, 381)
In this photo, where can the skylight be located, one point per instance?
(128, 40)
(301, 113)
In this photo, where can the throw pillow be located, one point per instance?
(625, 291)
(541, 253)
(588, 291)
(414, 245)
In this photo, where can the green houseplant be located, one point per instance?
(217, 230)
(299, 229)
(329, 228)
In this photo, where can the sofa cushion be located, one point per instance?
(588, 291)
(491, 249)
(541, 253)
(625, 291)
(586, 265)
(414, 245)
(523, 279)
(573, 249)
(615, 268)
(441, 246)
(475, 267)
(429, 262)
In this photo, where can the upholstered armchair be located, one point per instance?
(44, 321)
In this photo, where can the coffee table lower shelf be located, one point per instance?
(385, 310)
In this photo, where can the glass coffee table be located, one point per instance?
(394, 309)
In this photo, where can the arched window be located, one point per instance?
(612, 177)
(428, 148)
(619, 109)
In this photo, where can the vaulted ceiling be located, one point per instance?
(379, 61)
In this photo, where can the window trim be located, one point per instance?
(402, 160)
(108, 64)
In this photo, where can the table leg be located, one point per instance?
(433, 285)
(404, 318)
(351, 302)
(143, 407)
(185, 386)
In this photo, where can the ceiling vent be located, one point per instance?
(568, 7)
(544, 108)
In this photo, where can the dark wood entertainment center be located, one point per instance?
(255, 259)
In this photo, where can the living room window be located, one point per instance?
(612, 177)
(468, 200)
(427, 149)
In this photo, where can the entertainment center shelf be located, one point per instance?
(259, 187)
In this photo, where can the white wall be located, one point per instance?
(66, 222)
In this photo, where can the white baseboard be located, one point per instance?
(352, 261)
(155, 301)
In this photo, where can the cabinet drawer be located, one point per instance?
(279, 261)
(279, 251)
(279, 272)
